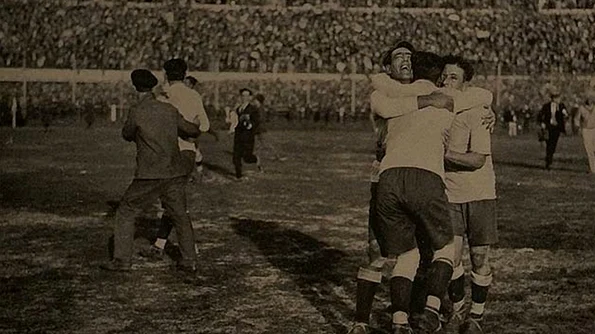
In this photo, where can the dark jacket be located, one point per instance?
(248, 120)
(545, 116)
(154, 126)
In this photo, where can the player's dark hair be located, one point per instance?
(388, 55)
(175, 69)
(192, 80)
(464, 64)
(427, 65)
(260, 98)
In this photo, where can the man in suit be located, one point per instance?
(551, 118)
(161, 173)
(246, 130)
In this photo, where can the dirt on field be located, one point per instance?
(279, 251)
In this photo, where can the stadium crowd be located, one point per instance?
(281, 39)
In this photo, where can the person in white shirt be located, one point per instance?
(411, 197)
(397, 63)
(394, 97)
(202, 175)
(587, 121)
(189, 104)
(471, 191)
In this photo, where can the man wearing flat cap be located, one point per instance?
(552, 118)
(154, 127)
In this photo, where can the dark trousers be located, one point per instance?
(139, 195)
(551, 143)
(167, 222)
(243, 149)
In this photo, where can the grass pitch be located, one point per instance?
(279, 252)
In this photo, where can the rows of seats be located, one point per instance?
(45, 34)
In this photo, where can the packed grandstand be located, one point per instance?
(521, 40)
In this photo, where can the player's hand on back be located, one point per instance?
(437, 100)
(489, 119)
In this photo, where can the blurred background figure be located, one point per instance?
(511, 120)
(552, 118)
(587, 121)
(247, 128)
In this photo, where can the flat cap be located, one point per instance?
(143, 80)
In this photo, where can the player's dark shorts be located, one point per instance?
(410, 199)
(477, 220)
(376, 240)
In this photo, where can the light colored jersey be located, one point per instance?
(417, 139)
(190, 106)
(587, 116)
(468, 134)
(393, 99)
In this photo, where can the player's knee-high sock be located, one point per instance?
(400, 297)
(420, 288)
(456, 289)
(401, 284)
(368, 279)
(439, 276)
(479, 292)
(419, 292)
(366, 291)
(164, 231)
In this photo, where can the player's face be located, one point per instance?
(400, 67)
(453, 77)
(188, 83)
(246, 96)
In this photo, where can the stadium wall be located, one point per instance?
(114, 76)
(38, 88)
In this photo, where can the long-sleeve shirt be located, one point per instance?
(393, 99)
(468, 134)
(189, 104)
(587, 116)
(416, 139)
(155, 126)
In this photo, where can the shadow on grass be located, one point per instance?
(50, 191)
(313, 265)
(219, 169)
(37, 303)
(554, 236)
(145, 233)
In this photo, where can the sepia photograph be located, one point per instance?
(297, 166)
